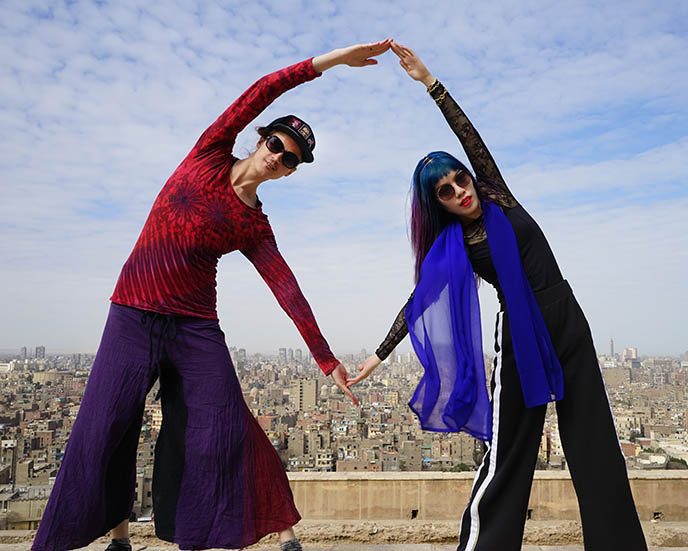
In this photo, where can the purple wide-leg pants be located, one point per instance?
(217, 482)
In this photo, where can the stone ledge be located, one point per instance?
(679, 474)
(438, 496)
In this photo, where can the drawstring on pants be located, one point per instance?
(168, 332)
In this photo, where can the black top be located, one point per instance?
(536, 255)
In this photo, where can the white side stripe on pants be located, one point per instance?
(475, 517)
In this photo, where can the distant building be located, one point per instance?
(324, 461)
(155, 412)
(629, 354)
(616, 376)
(303, 393)
(352, 466)
(40, 352)
(296, 443)
(267, 422)
(143, 501)
(629, 449)
(392, 398)
(8, 455)
(410, 457)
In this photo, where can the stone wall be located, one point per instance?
(442, 496)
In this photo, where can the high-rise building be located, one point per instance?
(629, 354)
(303, 393)
(290, 355)
(23, 353)
(611, 348)
(282, 355)
(392, 357)
(9, 455)
(298, 355)
(40, 352)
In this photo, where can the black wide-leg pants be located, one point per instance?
(495, 516)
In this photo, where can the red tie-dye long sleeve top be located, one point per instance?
(197, 218)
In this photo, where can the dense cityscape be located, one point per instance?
(313, 426)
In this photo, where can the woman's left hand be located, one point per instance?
(358, 55)
(365, 369)
(412, 64)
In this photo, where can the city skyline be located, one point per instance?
(587, 123)
(302, 354)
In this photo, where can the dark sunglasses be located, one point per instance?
(275, 145)
(446, 191)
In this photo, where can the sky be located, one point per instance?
(583, 106)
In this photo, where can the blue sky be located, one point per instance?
(583, 106)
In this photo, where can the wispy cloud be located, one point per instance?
(582, 105)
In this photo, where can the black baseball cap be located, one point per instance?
(299, 130)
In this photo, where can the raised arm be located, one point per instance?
(252, 102)
(266, 258)
(478, 155)
(265, 90)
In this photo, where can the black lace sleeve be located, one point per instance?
(396, 333)
(490, 182)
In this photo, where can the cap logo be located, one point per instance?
(305, 131)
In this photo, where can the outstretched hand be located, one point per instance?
(341, 379)
(365, 369)
(412, 64)
(358, 55)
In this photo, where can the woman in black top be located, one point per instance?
(495, 515)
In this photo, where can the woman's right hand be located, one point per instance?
(412, 64)
(365, 369)
(341, 379)
(358, 55)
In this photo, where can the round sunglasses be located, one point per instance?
(446, 191)
(275, 145)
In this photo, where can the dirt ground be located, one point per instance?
(372, 533)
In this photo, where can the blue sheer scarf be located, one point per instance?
(444, 326)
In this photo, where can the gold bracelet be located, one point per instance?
(441, 97)
(433, 86)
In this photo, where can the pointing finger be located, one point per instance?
(351, 395)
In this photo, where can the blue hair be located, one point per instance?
(428, 218)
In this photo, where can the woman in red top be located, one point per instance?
(218, 482)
